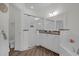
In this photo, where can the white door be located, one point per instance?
(4, 19)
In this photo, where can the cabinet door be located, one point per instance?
(44, 38)
(53, 42)
(50, 41)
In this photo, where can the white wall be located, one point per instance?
(17, 29)
(4, 25)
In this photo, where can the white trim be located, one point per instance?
(68, 51)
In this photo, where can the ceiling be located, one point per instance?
(43, 9)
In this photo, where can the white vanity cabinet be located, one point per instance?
(51, 42)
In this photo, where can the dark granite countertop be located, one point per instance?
(49, 32)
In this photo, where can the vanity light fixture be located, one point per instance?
(53, 13)
(50, 14)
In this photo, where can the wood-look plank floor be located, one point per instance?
(36, 51)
